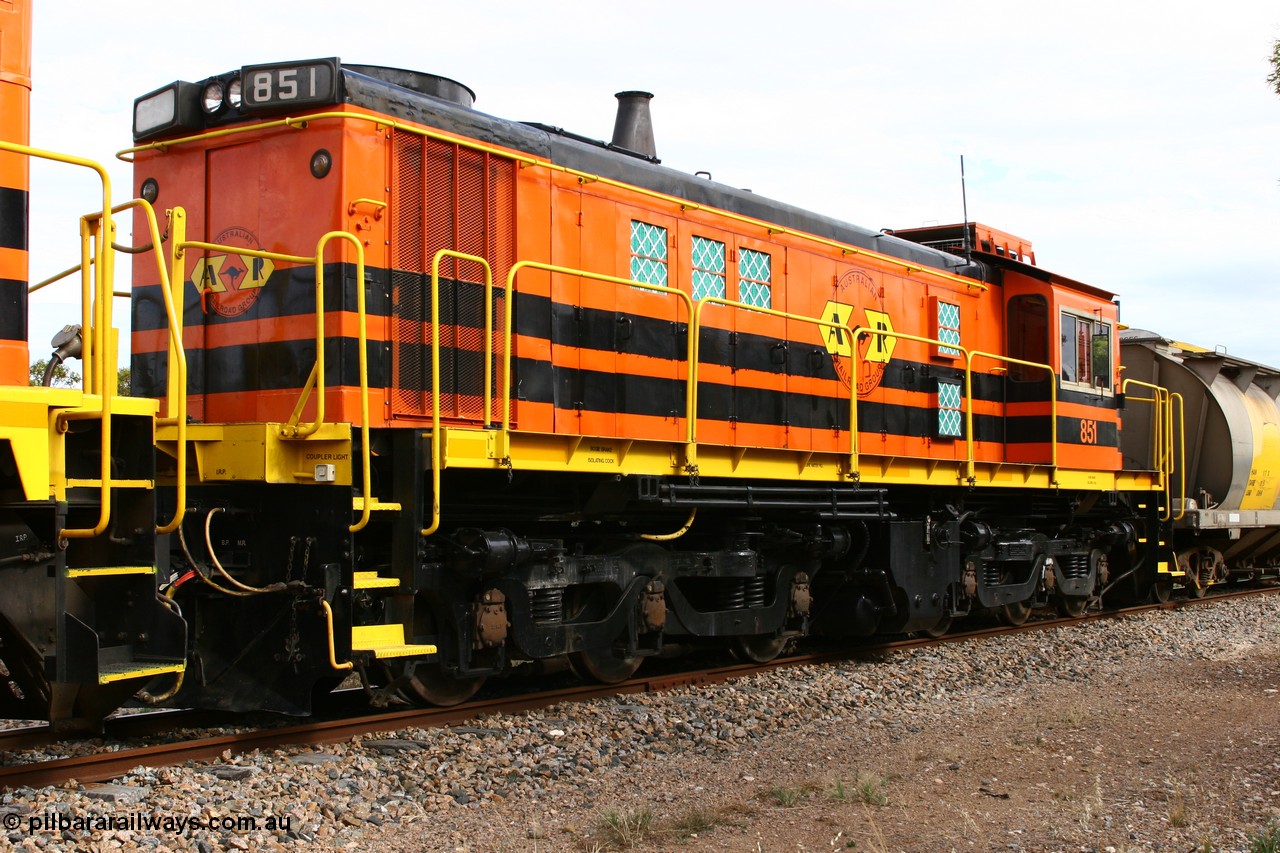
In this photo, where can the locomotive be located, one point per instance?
(426, 396)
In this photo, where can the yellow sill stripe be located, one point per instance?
(111, 570)
(124, 672)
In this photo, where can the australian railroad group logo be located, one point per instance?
(874, 351)
(230, 282)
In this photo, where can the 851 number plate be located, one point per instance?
(287, 85)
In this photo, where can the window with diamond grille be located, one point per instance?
(947, 327)
(755, 278)
(950, 409)
(708, 269)
(648, 253)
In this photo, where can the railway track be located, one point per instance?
(103, 765)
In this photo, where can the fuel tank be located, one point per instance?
(1231, 424)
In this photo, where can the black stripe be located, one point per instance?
(13, 218)
(1034, 429)
(268, 366)
(290, 293)
(13, 310)
(287, 293)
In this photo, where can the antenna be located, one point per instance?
(964, 201)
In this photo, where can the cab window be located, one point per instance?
(1086, 350)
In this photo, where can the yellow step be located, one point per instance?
(370, 580)
(104, 571)
(385, 641)
(76, 483)
(357, 503)
(109, 672)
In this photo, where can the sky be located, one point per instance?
(1135, 144)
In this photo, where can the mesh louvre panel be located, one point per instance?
(473, 222)
(464, 201)
(407, 295)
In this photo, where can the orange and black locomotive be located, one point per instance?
(426, 395)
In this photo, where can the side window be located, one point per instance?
(946, 327)
(1070, 355)
(708, 269)
(755, 278)
(1086, 350)
(1028, 333)
(648, 253)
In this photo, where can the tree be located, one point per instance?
(1274, 78)
(65, 377)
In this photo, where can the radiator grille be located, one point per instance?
(445, 196)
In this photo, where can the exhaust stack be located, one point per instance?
(633, 129)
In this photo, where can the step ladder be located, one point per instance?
(383, 641)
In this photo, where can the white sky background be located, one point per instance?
(1136, 144)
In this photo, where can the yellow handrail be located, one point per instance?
(315, 382)
(801, 318)
(344, 666)
(1182, 453)
(366, 454)
(865, 331)
(96, 289)
(1162, 435)
(177, 396)
(437, 444)
(528, 161)
(594, 276)
(1053, 408)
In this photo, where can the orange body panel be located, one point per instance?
(596, 358)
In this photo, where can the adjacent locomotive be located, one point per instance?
(436, 395)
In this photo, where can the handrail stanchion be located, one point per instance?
(838, 326)
(1053, 407)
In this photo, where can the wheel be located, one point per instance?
(430, 684)
(603, 665)
(757, 648)
(1072, 607)
(1015, 613)
(1161, 590)
(1196, 589)
(941, 627)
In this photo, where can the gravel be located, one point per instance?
(507, 782)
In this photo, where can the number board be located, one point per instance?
(286, 85)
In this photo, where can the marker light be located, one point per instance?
(321, 163)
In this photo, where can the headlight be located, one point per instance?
(235, 96)
(173, 107)
(211, 99)
(155, 111)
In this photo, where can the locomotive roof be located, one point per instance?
(558, 146)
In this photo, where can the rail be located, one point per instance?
(1162, 442)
